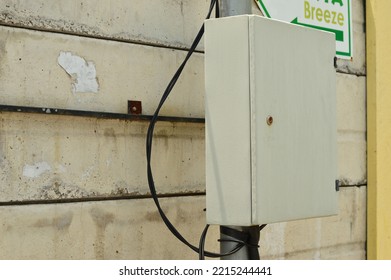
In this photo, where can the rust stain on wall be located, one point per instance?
(61, 222)
(101, 219)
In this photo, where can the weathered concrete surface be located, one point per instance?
(351, 125)
(168, 22)
(335, 237)
(54, 157)
(123, 229)
(132, 229)
(358, 65)
(31, 75)
(49, 157)
(63, 157)
(171, 23)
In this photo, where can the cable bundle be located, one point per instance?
(200, 250)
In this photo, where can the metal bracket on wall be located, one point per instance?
(135, 107)
(95, 114)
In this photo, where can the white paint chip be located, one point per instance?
(82, 72)
(36, 170)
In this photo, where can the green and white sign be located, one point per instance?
(329, 15)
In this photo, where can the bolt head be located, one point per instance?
(269, 120)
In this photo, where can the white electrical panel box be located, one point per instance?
(270, 121)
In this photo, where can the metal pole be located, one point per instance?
(233, 8)
(249, 235)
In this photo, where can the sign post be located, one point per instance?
(329, 15)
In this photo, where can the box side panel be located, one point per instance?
(295, 117)
(228, 178)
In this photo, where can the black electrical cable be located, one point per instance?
(149, 140)
(201, 252)
(261, 227)
(217, 10)
(244, 239)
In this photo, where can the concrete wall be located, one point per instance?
(74, 187)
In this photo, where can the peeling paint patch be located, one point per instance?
(82, 72)
(36, 170)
